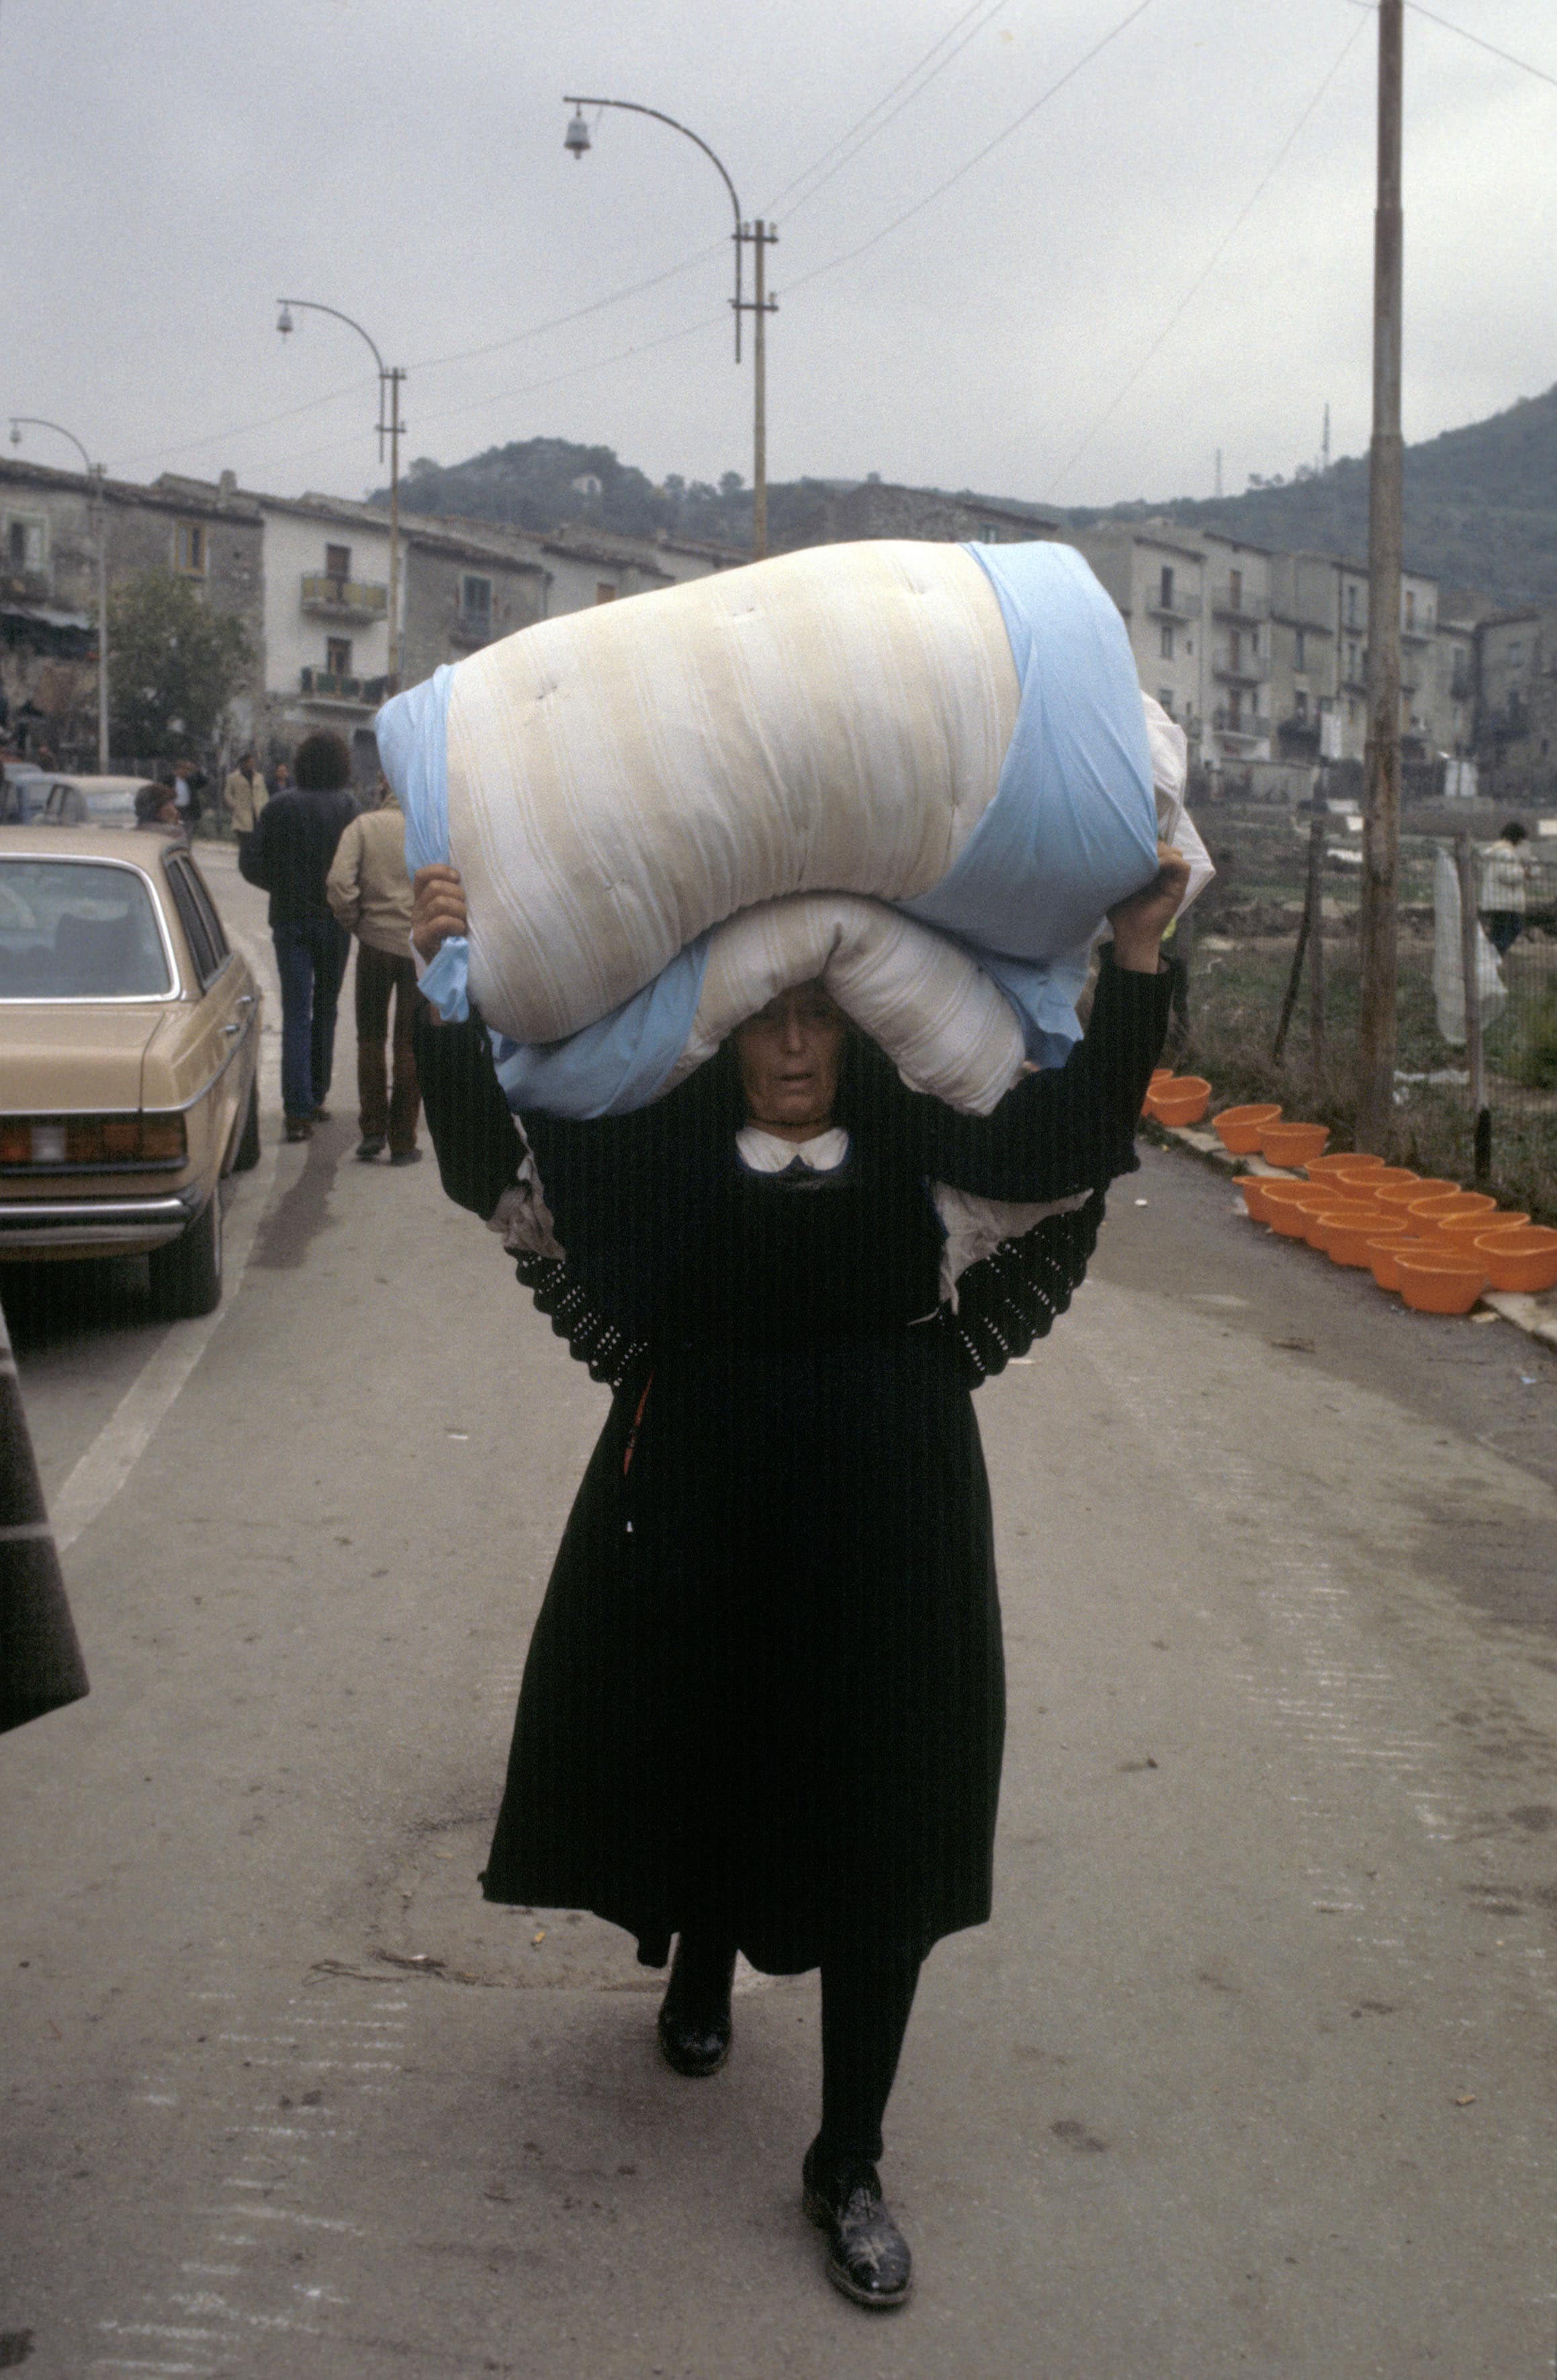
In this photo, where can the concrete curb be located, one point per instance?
(1536, 1317)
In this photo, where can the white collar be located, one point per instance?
(766, 1152)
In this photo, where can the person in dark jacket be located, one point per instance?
(764, 1706)
(288, 855)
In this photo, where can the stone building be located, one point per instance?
(50, 523)
(1516, 705)
(326, 610)
(1157, 578)
(878, 508)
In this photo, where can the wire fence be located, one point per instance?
(1269, 990)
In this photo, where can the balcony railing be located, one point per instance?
(1247, 729)
(330, 686)
(1240, 606)
(1249, 669)
(344, 599)
(1175, 606)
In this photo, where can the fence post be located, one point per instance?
(1470, 937)
(1318, 826)
(1304, 927)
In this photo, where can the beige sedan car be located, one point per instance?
(129, 1039)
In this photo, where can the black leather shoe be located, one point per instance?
(695, 2026)
(369, 1146)
(868, 2256)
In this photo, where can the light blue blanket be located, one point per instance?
(1072, 829)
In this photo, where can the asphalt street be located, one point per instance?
(1251, 2074)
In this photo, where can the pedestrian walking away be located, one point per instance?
(245, 794)
(370, 891)
(1505, 868)
(763, 1705)
(288, 855)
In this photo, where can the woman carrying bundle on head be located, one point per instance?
(763, 1707)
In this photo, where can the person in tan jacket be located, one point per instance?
(245, 795)
(370, 892)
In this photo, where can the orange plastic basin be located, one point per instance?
(1281, 1203)
(1384, 1252)
(1399, 1194)
(1430, 1214)
(1371, 1180)
(1342, 1161)
(1321, 1203)
(1240, 1129)
(1183, 1100)
(1462, 1230)
(1440, 1284)
(1254, 1186)
(1520, 1256)
(1344, 1234)
(1292, 1144)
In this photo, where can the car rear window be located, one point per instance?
(74, 930)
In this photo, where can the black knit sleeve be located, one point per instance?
(473, 1135)
(1069, 1128)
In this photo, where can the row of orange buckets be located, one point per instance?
(1440, 1246)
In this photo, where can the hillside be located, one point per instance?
(1480, 506)
(1480, 502)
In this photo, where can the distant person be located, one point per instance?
(187, 784)
(370, 892)
(282, 780)
(156, 810)
(1505, 875)
(246, 795)
(288, 855)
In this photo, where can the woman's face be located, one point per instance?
(789, 1053)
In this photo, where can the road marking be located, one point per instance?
(102, 1471)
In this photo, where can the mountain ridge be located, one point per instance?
(1481, 501)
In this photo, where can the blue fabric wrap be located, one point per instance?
(1073, 826)
(1072, 829)
(413, 737)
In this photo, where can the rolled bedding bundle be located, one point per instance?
(920, 773)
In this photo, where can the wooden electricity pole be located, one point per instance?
(1381, 832)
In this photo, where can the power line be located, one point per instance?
(1204, 276)
(239, 429)
(1491, 48)
(835, 263)
(984, 11)
(560, 322)
(511, 396)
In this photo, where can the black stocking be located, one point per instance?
(866, 1998)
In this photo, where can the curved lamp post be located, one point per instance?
(760, 237)
(390, 378)
(20, 422)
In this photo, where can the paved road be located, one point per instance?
(1249, 2075)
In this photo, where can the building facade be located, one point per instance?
(209, 533)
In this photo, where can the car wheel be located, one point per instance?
(246, 1154)
(186, 1275)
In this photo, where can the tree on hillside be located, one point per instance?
(174, 664)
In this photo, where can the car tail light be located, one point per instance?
(47, 1143)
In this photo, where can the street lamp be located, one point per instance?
(390, 378)
(20, 422)
(760, 236)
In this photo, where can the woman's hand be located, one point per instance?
(1140, 922)
(437, 909)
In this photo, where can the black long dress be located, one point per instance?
(765, 1691)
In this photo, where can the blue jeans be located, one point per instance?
(311, 960)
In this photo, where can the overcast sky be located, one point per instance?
(169, 167)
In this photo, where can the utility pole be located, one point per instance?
(762, 306)
(760, 235)
(392, 379)
(1378, 918)
(1324, 450)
